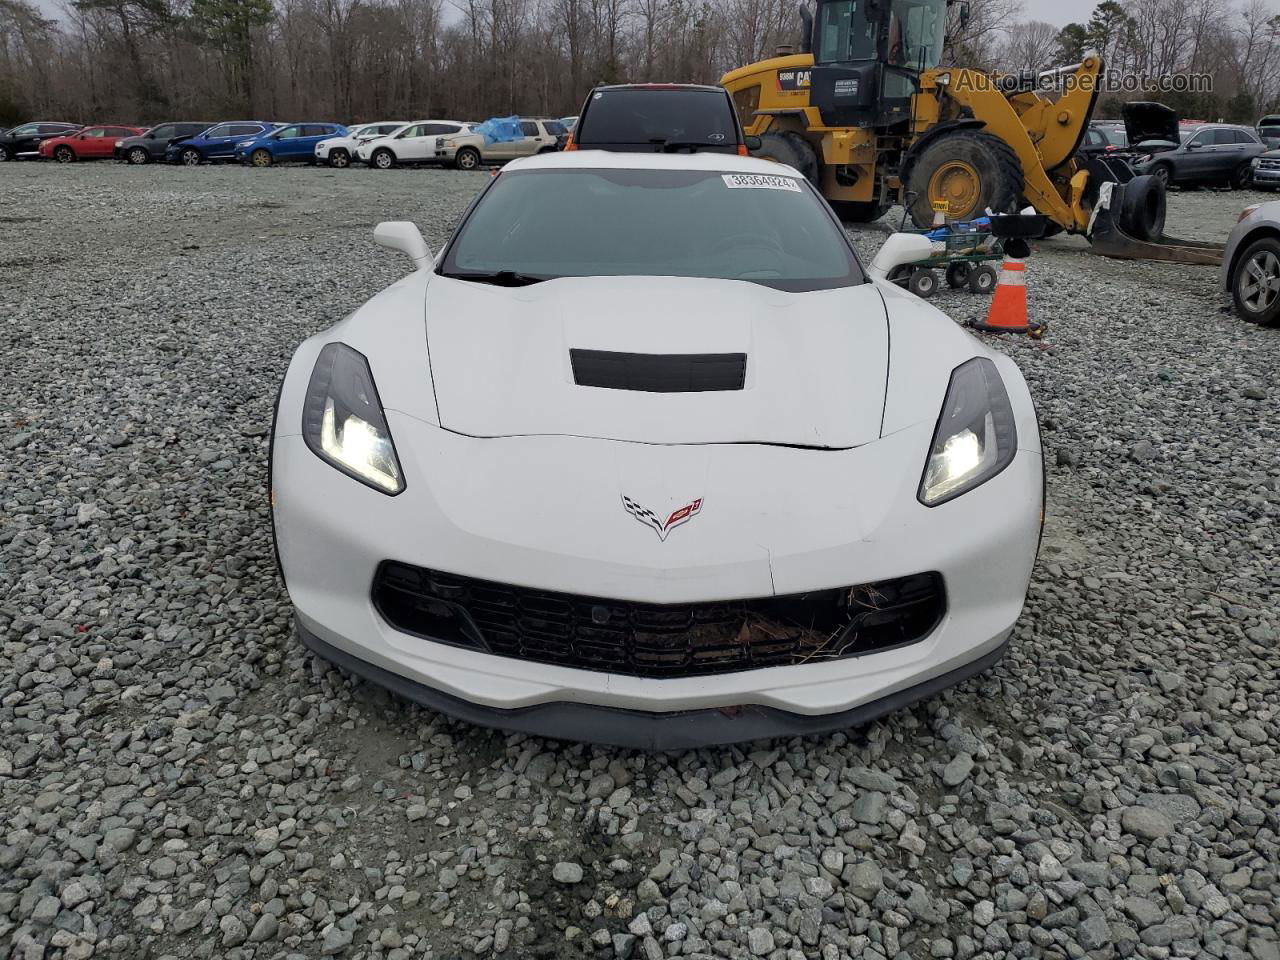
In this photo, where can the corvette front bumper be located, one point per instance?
(545, 512)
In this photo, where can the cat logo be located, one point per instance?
(793, 80)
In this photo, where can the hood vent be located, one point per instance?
(659, 372)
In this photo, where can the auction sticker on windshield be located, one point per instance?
(760, 181)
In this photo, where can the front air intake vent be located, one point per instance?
(659, 372)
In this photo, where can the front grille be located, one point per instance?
(657, 640)
(1269, 164)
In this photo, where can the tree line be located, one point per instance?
(148, 60)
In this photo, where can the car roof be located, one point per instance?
(659, 86)
(613, 160)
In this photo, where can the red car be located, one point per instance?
(87, 143)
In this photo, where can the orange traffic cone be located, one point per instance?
(1008, 313)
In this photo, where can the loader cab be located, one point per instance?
(868, 56)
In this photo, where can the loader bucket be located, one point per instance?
(1128, 219)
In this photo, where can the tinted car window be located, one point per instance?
(243, 130)
(1202, 139)
(30, 130)
(1245, 136)
(656, 116)
(190, 129)
(316, 130)
(121, 132)
(222, 130)
(53, 128)
(772, 230)
(554, 127)
(163, 132)
(528, 128)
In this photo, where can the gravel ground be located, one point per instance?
(182, 780)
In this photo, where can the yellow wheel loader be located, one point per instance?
(867, 114)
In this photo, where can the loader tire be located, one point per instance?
(854, 211)
(792, 149)
(971, 169)
(1142, 208)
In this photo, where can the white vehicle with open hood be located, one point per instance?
(644, 456)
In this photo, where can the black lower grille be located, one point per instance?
(657, 640)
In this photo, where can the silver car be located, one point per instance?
(1251, 264)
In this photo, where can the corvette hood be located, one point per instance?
(810, 368)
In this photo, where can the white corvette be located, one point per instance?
(644, 456)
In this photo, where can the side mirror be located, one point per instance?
(752, 142)
(898, 251)
(407, 238)
(1192, 145)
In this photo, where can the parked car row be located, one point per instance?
(262, 143)
(1186, 153)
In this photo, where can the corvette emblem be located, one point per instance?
(662, 527)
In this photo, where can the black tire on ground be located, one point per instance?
(792, 149)
(138, 155)
(1255, 282)
(64, 155)
(923, 282)
(190, 157)
(957, 275)
(467, 158)
(853, 211)
(1162, 173)
(983, 279)
(4, 154)
(1142, 208)
(339, 158)
(999, 173)
(382, 159)
(1241, 176)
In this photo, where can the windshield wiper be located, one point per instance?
(671, 146)
(499, 278)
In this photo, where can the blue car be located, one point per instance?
(295, 142)
(216, 143)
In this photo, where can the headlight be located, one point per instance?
(975, 438)
(243, 143)
(1248, 212)
(1255, 162)
(343, 423)
(120, 143)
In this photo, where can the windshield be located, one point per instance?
(772, 230)
(1115, 135)
(845, 33)
(657, 116)
(917, 29)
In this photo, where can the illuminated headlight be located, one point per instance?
(343, 422)
(975, 438)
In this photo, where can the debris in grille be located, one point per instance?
(657, 640)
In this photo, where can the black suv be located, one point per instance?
(24, 139)
(152, 144)
(660, 117)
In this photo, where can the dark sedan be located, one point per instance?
(1210, 153)
(151, 145)
(23, 141)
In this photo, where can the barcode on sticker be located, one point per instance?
(760, 181)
